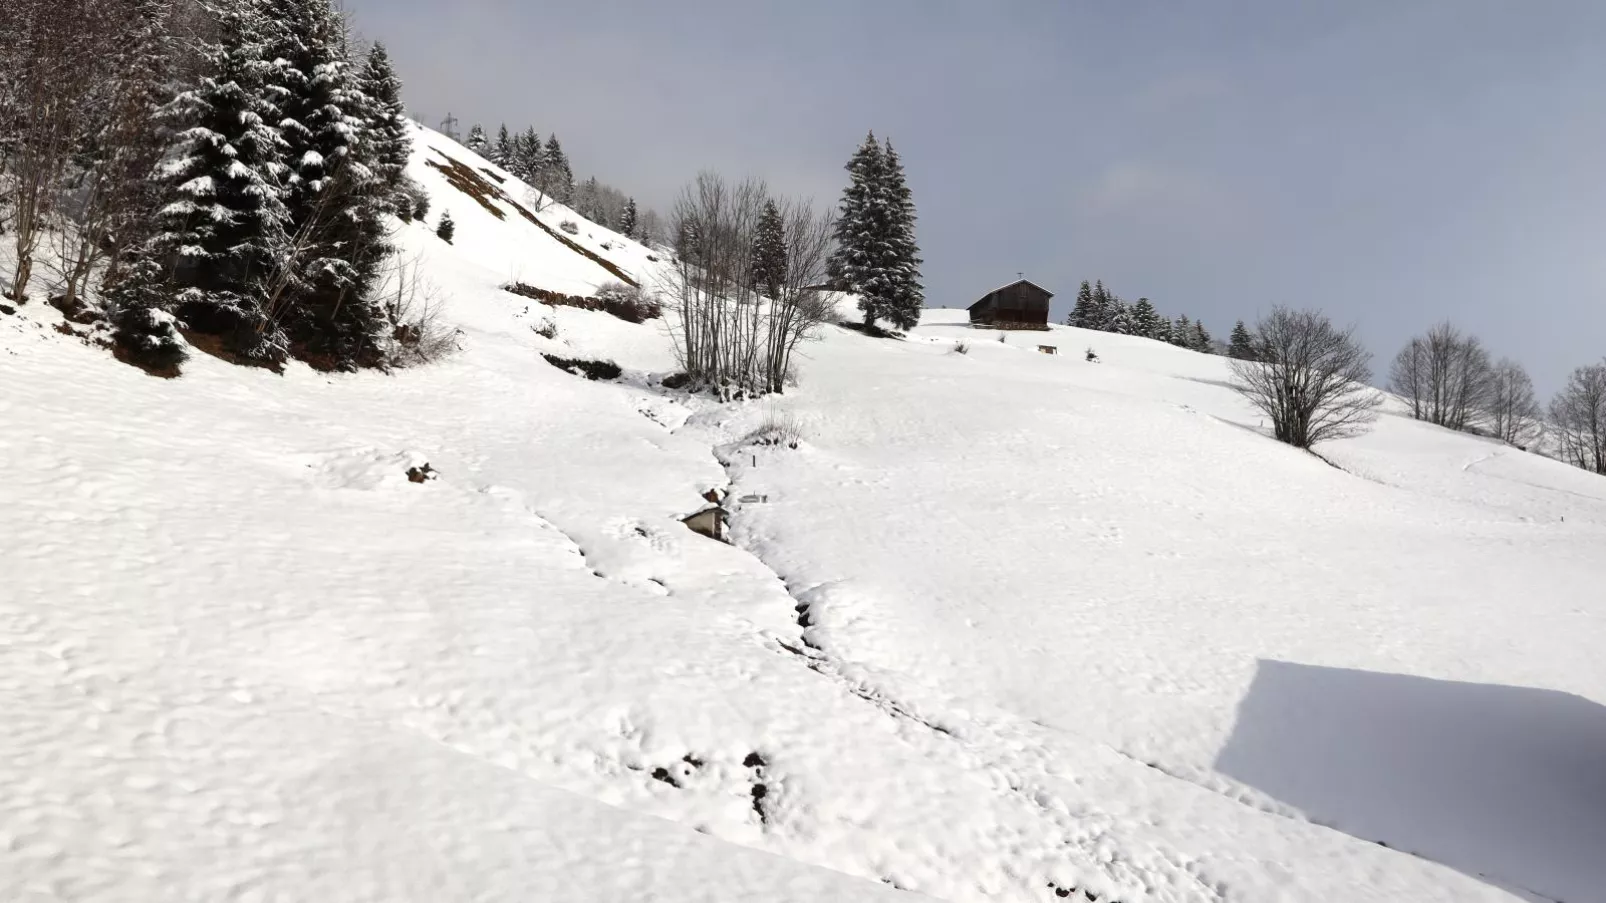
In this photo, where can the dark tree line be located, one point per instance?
(224, 166)
(1100, 309)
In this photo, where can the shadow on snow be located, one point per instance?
(1507, 784)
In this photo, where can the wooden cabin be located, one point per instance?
(1019, 305)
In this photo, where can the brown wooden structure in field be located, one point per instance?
(1021, 304)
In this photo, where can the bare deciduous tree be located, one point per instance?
(727, 335)
(1446, 377)
(103, 203)
(711, 290)
(1310, 380)
(49, 71)
(798, 308)
(1578, 418)
(1513, 412)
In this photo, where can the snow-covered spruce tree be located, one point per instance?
(1145, 319)
(477, 141)
(532, 157)
(1082, 315)
(220, 229)
(447, 229)
(1120, 317)
(387, 130)
(627, 219)
(1201, 340)
(1241, 346)
(906, 296)
(769, 252)
(557, 175)
(1181, 331)
(859, 265)
(501, 150)
(1103, 307)
(323, 291)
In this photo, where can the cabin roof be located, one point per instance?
(1012, 285)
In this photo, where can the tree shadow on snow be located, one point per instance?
(1507, 784)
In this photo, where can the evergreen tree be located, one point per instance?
(532, 158)
(1201, 340)
(555, 178)
(220, 224)
(588, 202)
(769, 252)
(1083, 315)
(907, 296)
(627, 219)
(502, 150)
(1182, 331)
(446, 229)
(389, 140)
(1242, 344)
(859, 265)
(1145, 319)
(1120, 318)
(334, 199)
(477, 141)
(1103, 307)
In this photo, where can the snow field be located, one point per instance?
(245, 658)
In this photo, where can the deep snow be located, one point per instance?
(1067, 625)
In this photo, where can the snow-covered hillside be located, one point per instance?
(1005, 625)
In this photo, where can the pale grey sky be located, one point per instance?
(1393, 162)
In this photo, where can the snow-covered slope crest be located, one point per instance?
(245, 657)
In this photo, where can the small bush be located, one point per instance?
(569, 227)
(419, 330)
(416, 200)
(447, 228)
(961, 348)
(597, 370)
(149, 339)
(778, 430)
(546, 329)
(1092, 356)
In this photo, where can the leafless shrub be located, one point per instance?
(1310, 380)
(569, 227)
(961, 348)
(778, 429)
(420, 332)
(546, 329)
(1446, 376)
(1578, 418)
(1514, 414)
